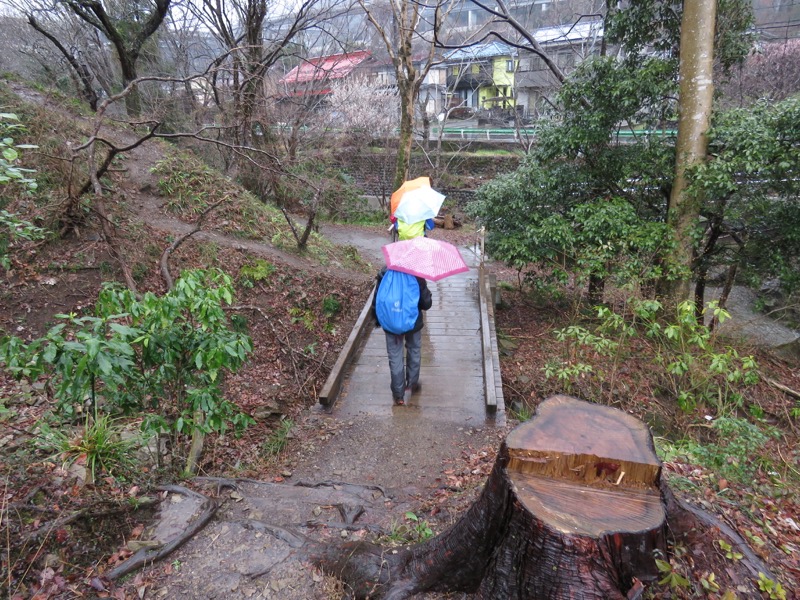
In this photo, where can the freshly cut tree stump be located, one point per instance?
(587, 477)
(572, 509)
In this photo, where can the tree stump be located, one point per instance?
(572, 509)
(587, 478)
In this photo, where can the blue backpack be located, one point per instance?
(397, 302)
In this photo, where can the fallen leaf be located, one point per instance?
(137, 531)
(97, 584)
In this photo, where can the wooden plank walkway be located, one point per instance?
(452, 370)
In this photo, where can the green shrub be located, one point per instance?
(733, 453)
(260, 270)
(278, 439)
(689, 364)
(163, 356)
(100, 444)
(731, 450)
(331, 306)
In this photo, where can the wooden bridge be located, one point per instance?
(460, 371)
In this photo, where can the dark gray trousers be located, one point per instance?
(408, 374)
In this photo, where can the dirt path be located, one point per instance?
(338, 463)
(400, 469)
(386, 463)
(341, 462)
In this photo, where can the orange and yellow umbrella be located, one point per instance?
(407, 186)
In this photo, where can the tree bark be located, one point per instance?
(696, 96)
(597, 286)
(406, 134)
(127, 37)
(571, 509)
(398, 37)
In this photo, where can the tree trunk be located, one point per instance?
(722, 302)
(127, 37)
(196, 447)
(700, 280)
(406, 133)
(696, 96)
(133, 102)
(597, 286)
(571, 509)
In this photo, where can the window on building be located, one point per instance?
(536, 64)
(565, 60)
(510, 66)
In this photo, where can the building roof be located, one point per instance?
(478, 51)
(559, 34)
(325, 68)
(572, 32)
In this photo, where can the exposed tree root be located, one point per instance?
(346, 526)
(150, 555)
(294, 539)
(340, 483)
(683, 519)
(369, 570)
(223, 482)
(786, 390)
(350, 513)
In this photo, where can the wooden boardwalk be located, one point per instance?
(452, 370)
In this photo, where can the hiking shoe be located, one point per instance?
(415, 387)
(399, 402)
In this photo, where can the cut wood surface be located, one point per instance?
(586, 469)
(577, 441)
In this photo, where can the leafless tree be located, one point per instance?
(254, 37)
(126, 26)
(772, 72)
(410, 46)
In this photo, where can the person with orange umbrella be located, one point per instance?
(413, 207)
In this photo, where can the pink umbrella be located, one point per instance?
(424, 257)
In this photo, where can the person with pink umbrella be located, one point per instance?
(397, 306)
(401, 295)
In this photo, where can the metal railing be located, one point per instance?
(511, 134)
